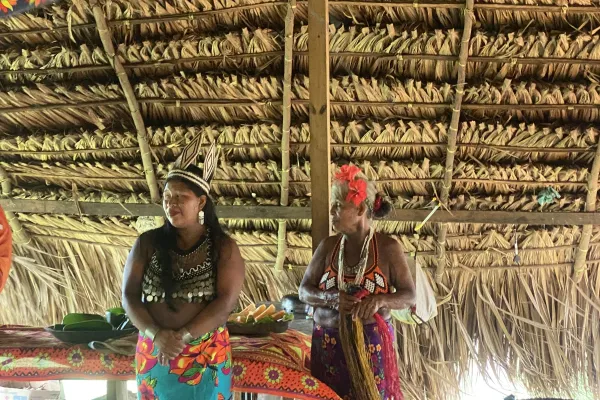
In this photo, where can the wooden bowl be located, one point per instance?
(84, 337)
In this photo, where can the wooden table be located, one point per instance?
(31, 354)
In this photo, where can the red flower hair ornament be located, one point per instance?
(357, 192)
(378, 202)
(347, 173)
(357, 188)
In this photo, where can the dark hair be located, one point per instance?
(165, 240)
(385, 206)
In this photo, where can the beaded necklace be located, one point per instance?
(362, 262)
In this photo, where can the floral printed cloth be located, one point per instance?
(9, 8)
(329, 364)
(277, 364)
(201, 371)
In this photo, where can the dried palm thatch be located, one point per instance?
(215, 69)
(403, 50)
(359, 139)
(518, 14)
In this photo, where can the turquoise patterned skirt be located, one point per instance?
(202, 370)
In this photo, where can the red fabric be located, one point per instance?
(389, 355)
(277, 364)
(5, 249)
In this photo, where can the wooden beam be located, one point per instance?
(285, 132)
(318, 110)
(132, 102)
(442, 228)
(277, 212)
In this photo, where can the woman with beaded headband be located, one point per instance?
(181, 283)
(353, 282)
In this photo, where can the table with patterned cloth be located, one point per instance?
(277, 364)
(10, 8)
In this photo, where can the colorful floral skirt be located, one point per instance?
(328, 363)
(202, 371)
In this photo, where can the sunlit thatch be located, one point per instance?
(214, 68)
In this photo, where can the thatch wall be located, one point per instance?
(529, 121)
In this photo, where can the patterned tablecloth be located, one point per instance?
(277, 364)
(10, 8)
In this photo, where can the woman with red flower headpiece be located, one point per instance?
(353, 282)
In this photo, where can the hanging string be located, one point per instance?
(362, 381)
(393, 390)
(517, 258)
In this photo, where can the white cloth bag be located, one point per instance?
(425, 307)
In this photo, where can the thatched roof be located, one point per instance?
(528, 112)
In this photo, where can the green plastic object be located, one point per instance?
(116, 311)
(75, 318)
(404, 316)
(547, 196)
(93, 325)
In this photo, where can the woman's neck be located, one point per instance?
(188, 237)
(357, 238)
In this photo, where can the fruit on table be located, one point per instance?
(259, 315)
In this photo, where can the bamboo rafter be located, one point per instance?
(579, 265)
(442, 228)
(285, 132)
(134, 107)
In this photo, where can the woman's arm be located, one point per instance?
(309, 291)
(400, 278)
(169, 342)
(132, 285)
(230, 279)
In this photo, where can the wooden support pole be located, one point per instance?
(318, 110)
(20, 235)
(442, 228)
(285, 132)
(132, 102)
(580, 265)
(116, 390)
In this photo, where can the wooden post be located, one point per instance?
(132, 102)
(320, 152)
(285, 131)
(580, 265)
(452, 133)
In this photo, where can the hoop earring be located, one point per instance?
(201, 217)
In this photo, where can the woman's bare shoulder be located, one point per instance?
(389, 243)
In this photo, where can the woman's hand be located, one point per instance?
(169, 343)
(332, 299)
(347, 302)
(162, 359)
(366, 308)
